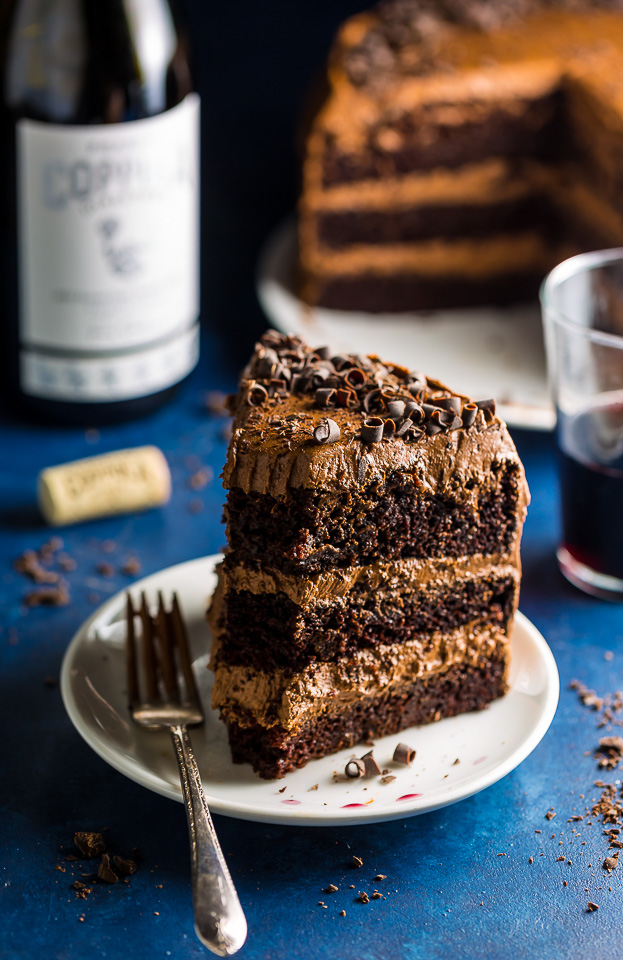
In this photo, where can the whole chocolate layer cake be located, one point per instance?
(463, 148)
(372, 571)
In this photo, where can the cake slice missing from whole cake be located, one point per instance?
(372, 571)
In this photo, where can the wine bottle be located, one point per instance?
(99, 184)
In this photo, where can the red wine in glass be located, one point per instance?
(591, 474)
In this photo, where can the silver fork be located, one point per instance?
(168, 698)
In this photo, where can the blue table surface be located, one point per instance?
(460, 879)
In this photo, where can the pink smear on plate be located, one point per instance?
(408, 796)
(291, 801)
(345, 805)
(479, 760)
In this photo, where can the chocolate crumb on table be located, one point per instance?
(89, 843)
(357, 861)
(48, 596)
(131, 567)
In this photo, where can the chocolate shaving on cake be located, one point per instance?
(327, 431)
(468, 415)
(372, 430)
(282, 365)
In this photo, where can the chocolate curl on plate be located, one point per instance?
(404, 754)
(355, 769)
(327, 431)
(325, 396)
(487, 407)
(371, 766)
(372, 430)
(469, 414)
(257, 395)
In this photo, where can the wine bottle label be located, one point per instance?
(109, 255)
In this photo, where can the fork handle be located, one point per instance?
(219, 920)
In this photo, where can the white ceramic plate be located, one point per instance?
(484, 352)
(488, 744)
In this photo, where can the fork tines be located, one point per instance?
(165, 656)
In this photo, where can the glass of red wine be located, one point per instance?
(582, 304)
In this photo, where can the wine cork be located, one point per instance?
(100, 486)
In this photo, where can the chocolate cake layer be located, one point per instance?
(337, 229)
(422, 141)
(275, 751)
(310, 531)
(268, 630)
(403, 293)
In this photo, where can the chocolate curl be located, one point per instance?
(341, 363)
(345, 397)
(371, 766)
(487, 407)
(456, 424)
(276, 387)
(323, 352)
(403, 427)
(417, 390)
(453, 404)
(355, 769)
(266, 367)
(404, 754)
(396, 409)
(414, 411)
(442, 418)
(327, 431)
(325, 397)
(469, 414)
(355, 377)
(372, 430)
(389, 428)
(428, 409)
(433, 428)
(371, 399)
(257, 395)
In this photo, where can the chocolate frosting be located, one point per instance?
(273, 448)
(275, 698)
(384, 580)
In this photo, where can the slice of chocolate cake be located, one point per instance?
(372, 572)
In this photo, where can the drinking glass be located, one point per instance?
(582, 305)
